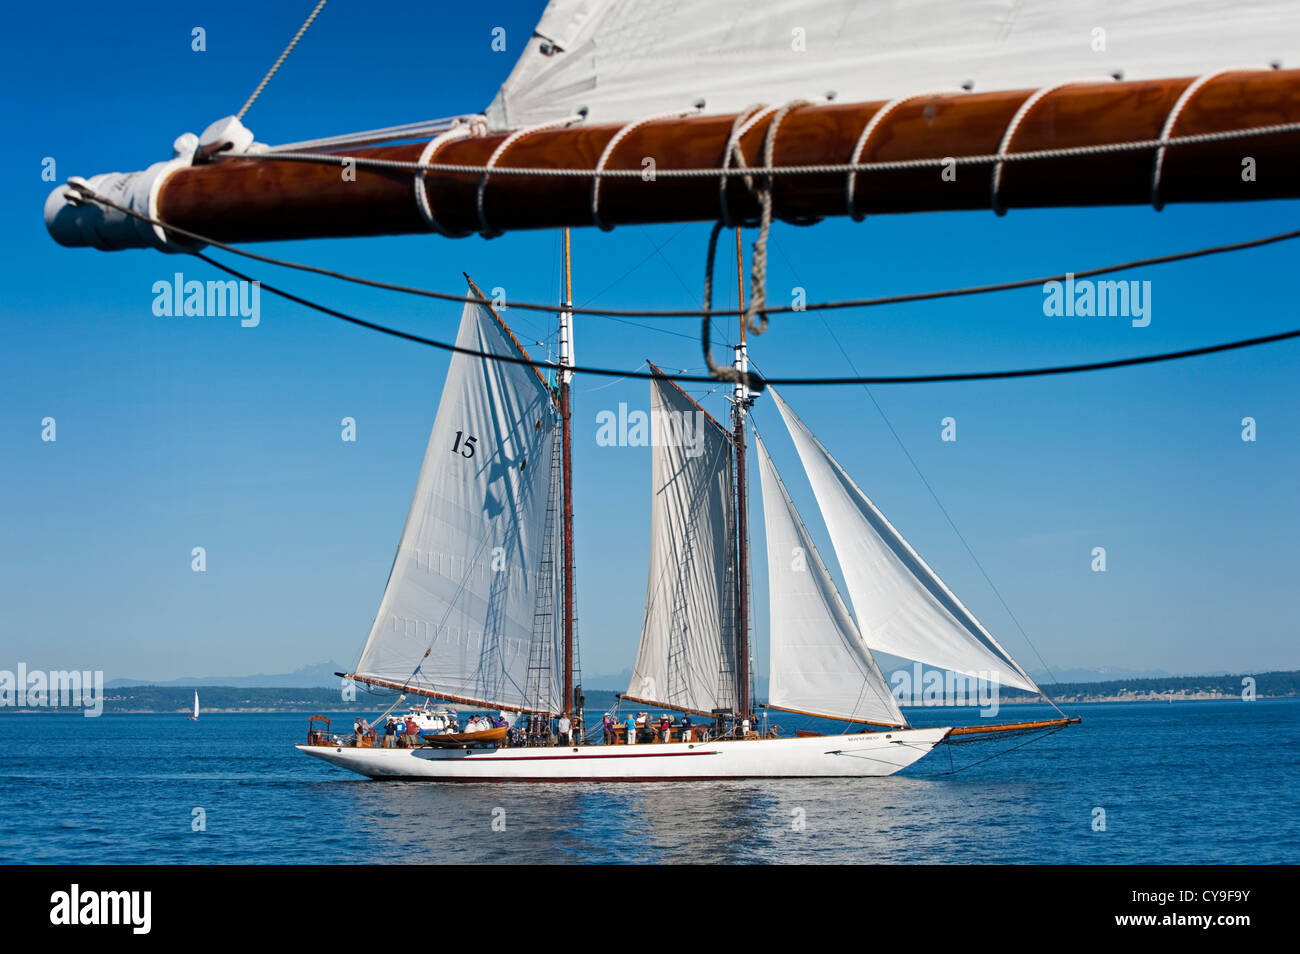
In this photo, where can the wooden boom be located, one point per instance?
(247, 200)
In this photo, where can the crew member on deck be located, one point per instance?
(562, 730)
(687, 727)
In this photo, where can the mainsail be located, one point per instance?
(628, 59)
(458, 615)
(819, 663)
(687, 655)
(902, 606)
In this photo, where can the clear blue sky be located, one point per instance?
(175, 433)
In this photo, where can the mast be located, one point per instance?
(740, 401)
(566, 442)
(241, 199)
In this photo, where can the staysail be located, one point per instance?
(629, 59)
(687, 655)
(819, 663)
(457, 617)
(902, 606)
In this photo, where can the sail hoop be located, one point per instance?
(1166, 131)
(1004, 147)
(614, 143)
(484, 228)
(461, 128)
(879, 116)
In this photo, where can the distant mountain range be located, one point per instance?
(309, 677)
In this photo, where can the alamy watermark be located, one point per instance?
(938, 687)
(126, 908)
(55, 689)
(1086, 298)
(211, 299)
(638, 428)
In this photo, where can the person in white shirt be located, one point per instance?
(562, 728)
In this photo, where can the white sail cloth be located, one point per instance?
(628, 59)
(819, 663)
(902, 606)
(687, 654)
(464, 583)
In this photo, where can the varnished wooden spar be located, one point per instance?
(1014, 726)
(244, 200)
(664, 705)
(413, 690)
(822, 715)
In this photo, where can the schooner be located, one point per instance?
(469, 612)
(632, 111)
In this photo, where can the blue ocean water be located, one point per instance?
(1188, 782)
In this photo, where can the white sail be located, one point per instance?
(628, 59)
(902, 606)
(687, 653)
(819, 663)
(196, 705)
(457, 617)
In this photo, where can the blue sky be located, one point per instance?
(183, 432)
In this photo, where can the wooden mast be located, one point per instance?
(566, 443)
(740, 402)
(244, 200)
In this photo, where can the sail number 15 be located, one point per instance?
(465, 447)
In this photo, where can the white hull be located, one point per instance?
(827, 756)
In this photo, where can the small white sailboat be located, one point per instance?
(194, 716)
(481, 579)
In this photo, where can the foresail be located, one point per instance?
(457, 617)
(902, 606)
(628, 59)
(687, 651)
(819, 662)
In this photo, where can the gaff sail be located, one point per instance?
(819, 663)
(687, 647)
(457, 616)
(902, 606)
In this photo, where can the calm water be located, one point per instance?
(1211, 782)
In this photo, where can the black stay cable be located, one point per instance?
(785, 382)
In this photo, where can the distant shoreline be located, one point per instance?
(1144, 698)
(231, 699)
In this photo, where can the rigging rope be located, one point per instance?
(90, 195)
(996, 755)
(283, 56)
(85, 192)
(784, 382)
(942, 509)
